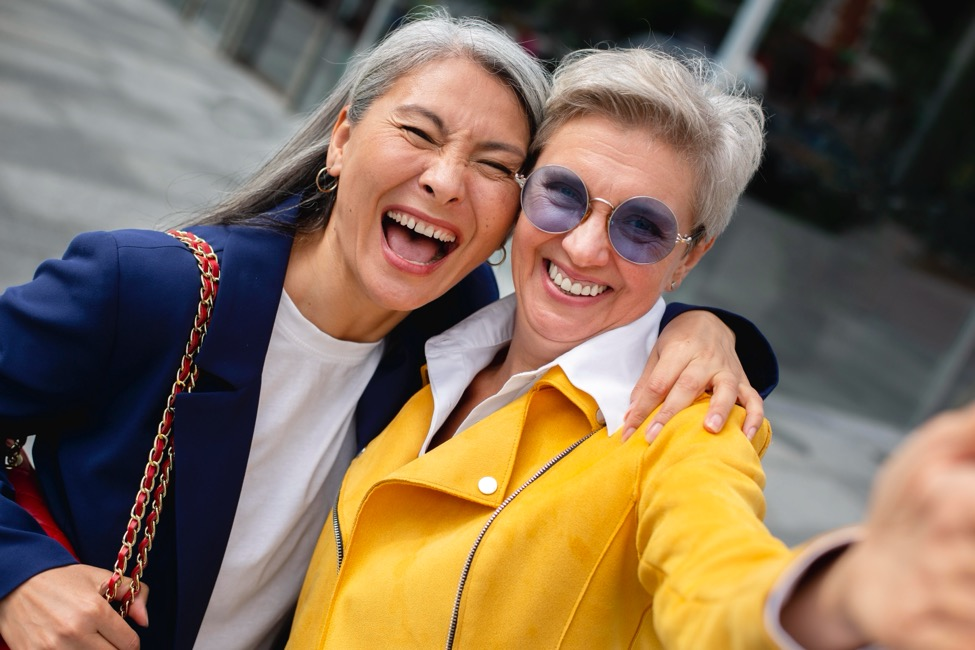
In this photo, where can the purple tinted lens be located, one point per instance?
(554, 199)
(643, 230)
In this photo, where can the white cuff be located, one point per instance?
(814, 551)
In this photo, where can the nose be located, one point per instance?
(588, 243)
(443, 179)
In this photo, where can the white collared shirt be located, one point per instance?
(606, 366)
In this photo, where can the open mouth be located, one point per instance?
(570, 286)
(417, 241)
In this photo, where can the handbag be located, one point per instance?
(155, 480)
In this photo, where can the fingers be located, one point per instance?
(724, 395)
(754, 409)
(914, 580)
(117, 632)
(139, 610)
(648, 393)
(682, 394)
(696, 355)
(663, 385)
(728, 389)
(950, 435)
(64, 608)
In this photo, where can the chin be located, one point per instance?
(560, 330)
(405, 296)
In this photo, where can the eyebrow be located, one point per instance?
(490, 145)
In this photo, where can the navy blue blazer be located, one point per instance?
(88, 352)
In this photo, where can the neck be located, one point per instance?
(324, 289)
(525, 354)
(519, 356)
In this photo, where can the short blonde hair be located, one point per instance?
(683, 101)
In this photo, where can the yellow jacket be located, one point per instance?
(615, 545)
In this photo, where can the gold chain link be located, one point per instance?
(155, 481)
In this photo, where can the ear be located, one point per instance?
(341, 133)
(690, 260)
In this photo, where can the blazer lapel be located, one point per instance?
(214, 425)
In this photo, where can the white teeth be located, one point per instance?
(568, 285)
(425, 229)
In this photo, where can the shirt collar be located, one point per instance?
(606, 366)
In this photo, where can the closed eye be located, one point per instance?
(498, 166)
(419, 133)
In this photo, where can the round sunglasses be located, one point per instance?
(642, 229)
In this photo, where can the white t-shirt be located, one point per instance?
(304, 439)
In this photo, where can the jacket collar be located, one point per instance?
(559, 415)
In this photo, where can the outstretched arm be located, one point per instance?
(704, 349)
(909, 581)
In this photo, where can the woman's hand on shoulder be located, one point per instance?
(694, 354)
(64, 608)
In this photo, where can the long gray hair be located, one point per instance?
(687, 102)
(426, 35)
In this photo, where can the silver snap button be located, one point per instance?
(487, 485)
(600, 418)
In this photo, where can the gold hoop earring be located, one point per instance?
(331, 187)
(504, 256)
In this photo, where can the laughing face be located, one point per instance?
(426, 189)
(573, 286)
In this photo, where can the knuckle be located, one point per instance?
(636, 416)
(666, 412)
(655, 387)
(690, 383)
(49, 641)
(726, 379)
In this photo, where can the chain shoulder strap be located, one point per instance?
(155, 480)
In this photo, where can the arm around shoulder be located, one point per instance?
(754, 351)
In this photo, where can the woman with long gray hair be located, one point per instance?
(365, 235)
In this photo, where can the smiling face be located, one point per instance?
(425, 191)
(573, 286)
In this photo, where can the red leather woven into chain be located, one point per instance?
(155, 481)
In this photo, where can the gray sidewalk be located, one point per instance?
(114, 114)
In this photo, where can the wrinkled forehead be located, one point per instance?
(384, 82)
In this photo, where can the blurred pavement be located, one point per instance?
(115, 114)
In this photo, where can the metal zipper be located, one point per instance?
(470, 556)
(339, 549)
